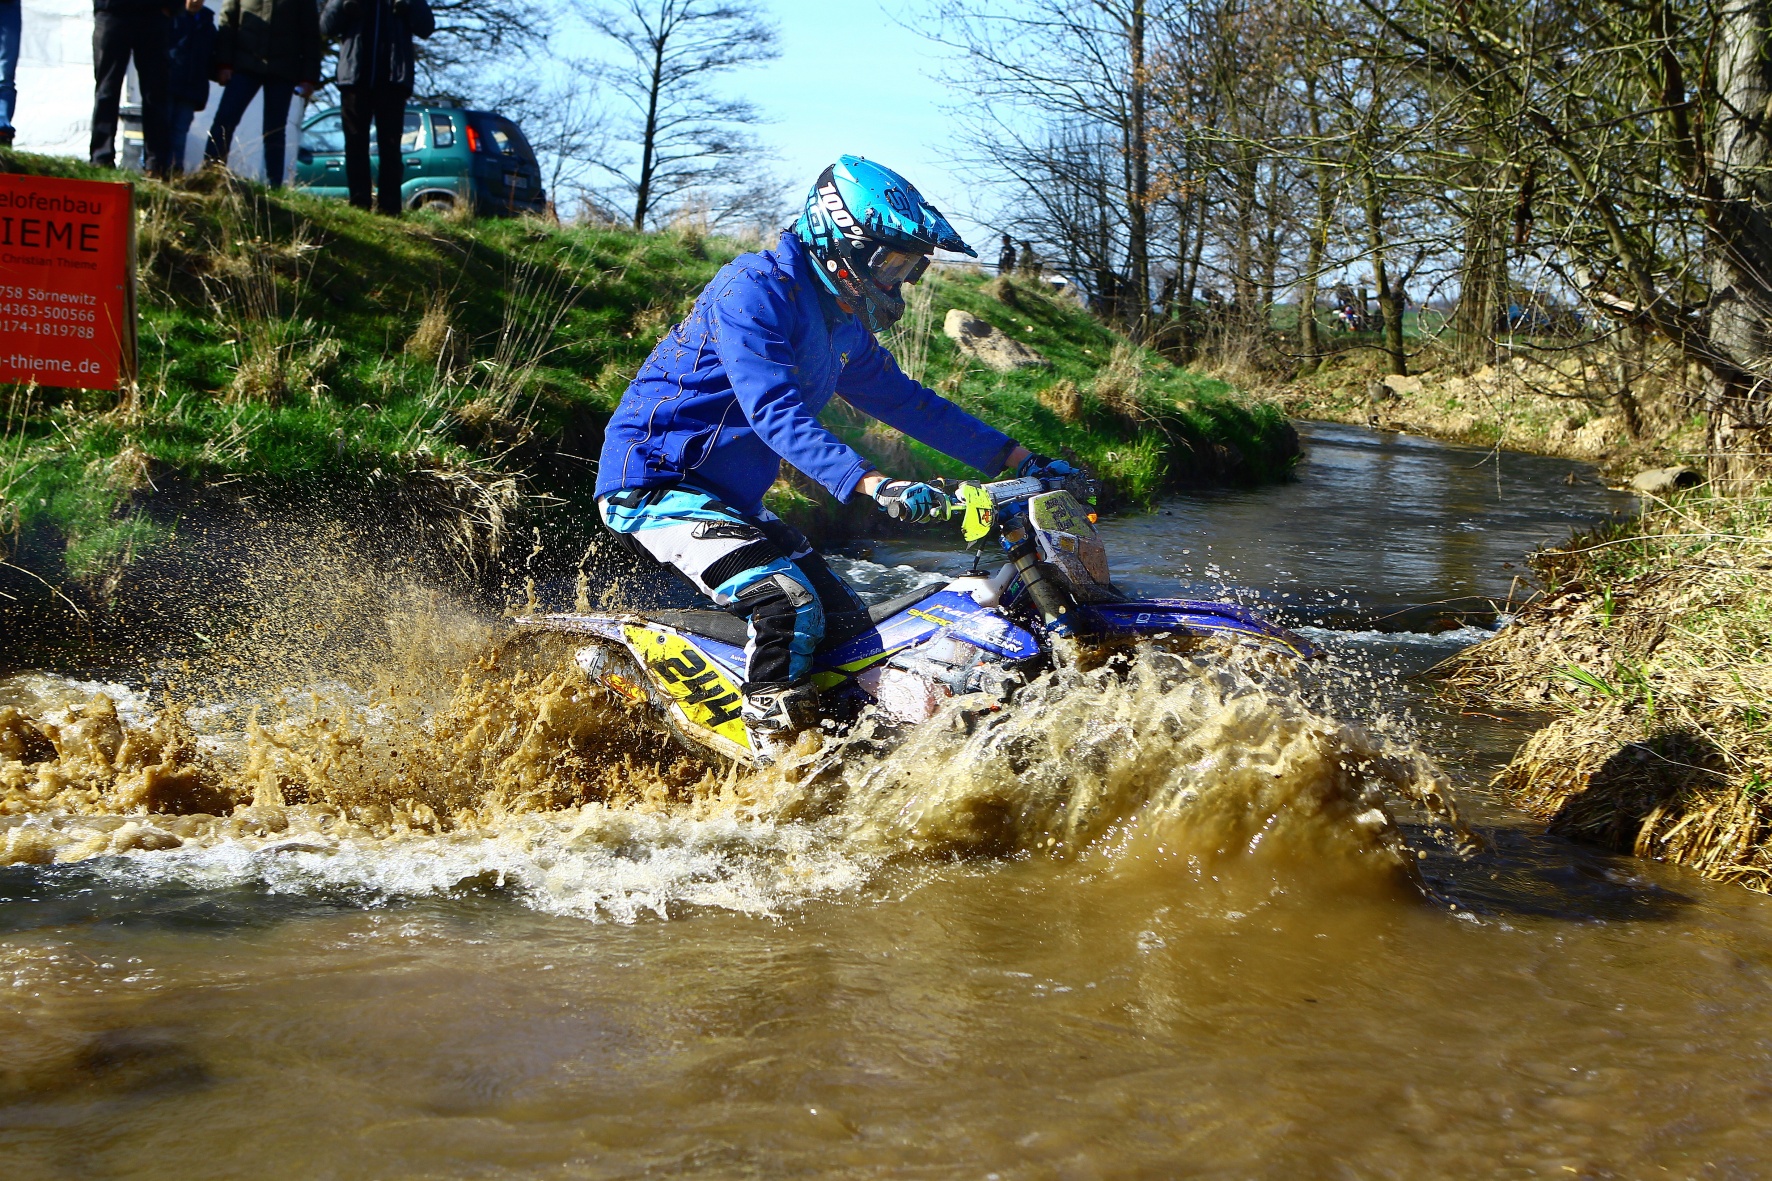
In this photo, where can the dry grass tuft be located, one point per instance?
(1063, 399)
(458, 511)
(1119, 383)
(1618, 401)
(280, 359)
(460, 213)
(128, 470)
(436, 340)
(651, 323)
(1004, 291)
(891, 448)
(908, 340)
(1655, 644)
(20, 400)
(1616, 777)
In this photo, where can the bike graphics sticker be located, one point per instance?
(703, 694)
(980, 513)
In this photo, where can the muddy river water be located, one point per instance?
(627, 992)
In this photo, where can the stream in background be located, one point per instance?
(645, 993)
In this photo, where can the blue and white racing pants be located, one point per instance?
(760, 567)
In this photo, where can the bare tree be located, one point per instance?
(1510, 154)
(1243, 58)
(681, 136)
(1639, 162)
(1073, 75)
(1322, 176)
(1061, 182)
(472, 33)
(565, 122)
(1740, 311)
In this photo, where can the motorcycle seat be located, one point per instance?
(728, 628)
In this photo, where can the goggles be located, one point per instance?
(891, 267)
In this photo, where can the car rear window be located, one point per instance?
(499, 136)
(411, 132)
(442, 130)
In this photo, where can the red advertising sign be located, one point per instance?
(67, 282)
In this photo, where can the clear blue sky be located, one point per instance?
(851, 79)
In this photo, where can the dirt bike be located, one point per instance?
(1052, 600)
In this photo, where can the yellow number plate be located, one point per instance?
(702, 692)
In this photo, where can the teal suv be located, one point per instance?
(452, 157)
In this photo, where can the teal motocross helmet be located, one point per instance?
(870, 231)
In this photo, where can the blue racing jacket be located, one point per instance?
(737, 386)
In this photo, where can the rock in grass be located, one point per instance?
(979, 339)
(1663, 480)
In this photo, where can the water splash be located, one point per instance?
(1196, 757)
(527, 779)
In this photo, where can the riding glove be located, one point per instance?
(1046, 469)
(905, 500)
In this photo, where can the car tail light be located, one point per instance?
(473, 139)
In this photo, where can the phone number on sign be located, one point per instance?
(39, 312)
(39, 329)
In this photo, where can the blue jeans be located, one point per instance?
(234, 100)
(10, 15)
(182, 114)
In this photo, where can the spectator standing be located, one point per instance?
(1031, 265)
(273, 45)
(121, 30)
(375, 74)
(1006, 260)
(193, 41)
(11, 24)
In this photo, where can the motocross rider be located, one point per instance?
(736, 388)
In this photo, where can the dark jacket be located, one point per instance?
(271, 38)
(375, 39)
(737, 386)
(192, 42)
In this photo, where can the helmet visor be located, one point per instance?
(891, 267)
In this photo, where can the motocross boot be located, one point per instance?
(775, 715)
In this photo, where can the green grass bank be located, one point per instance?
(458, 372)
(1651, 644)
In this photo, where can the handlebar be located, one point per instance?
(978, 503)
(1001, 492)
(969, 495)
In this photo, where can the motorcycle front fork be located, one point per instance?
(1052, 601)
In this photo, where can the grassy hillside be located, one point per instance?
(292, 346)
(1133, 416)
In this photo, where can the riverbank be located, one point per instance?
(436, 386)
(1568, 399)
(1651, 642)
